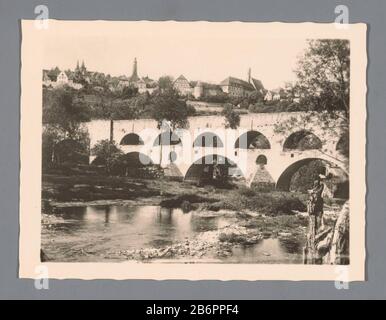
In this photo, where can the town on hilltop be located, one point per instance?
(231, 89)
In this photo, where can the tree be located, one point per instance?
(324, 76)
(167, 107)
(58, 148)
(323, 86)
(232, 118)
(165, 83)
(63, 114)
(50, 137)
(107, 153)
(128, 92)
(120, 110)
(66, 111)
(53, 73)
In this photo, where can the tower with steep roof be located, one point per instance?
(134, 76)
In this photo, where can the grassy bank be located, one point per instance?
(172, 194)
(271, 203)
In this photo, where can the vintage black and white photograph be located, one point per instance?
(183, 143)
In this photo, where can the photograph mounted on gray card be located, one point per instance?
(193, 150)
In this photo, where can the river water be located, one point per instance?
(96, 233)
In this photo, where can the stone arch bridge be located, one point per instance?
(255, 151)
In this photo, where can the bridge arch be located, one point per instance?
(131, 139)
(208, 139)
(202, 169)
(302, 140)
(252, 140)
(337, 175)
(167, 138)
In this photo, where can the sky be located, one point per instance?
(197, 52)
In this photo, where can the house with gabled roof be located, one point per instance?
(241, 88)
(183, 86)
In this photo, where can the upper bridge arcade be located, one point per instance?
(256, 150)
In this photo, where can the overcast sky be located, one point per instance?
(196, 51)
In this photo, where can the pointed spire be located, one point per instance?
(77, 65)
(249, 75)
(134, 75)
(83, 69)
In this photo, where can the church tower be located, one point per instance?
(83, 68)
(134, 75)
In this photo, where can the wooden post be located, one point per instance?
(309, 251)
(328, 245)
(111, 130)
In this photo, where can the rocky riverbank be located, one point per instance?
(210, 244)
(245, 230)
(251, 217)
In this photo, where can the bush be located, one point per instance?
(273, 203)
(275, 106)
(254, 108)
(177, 201)
(219, 98)
(231, 237)
(285, 205)
(191, 110)
(263, 186)
(247, 192)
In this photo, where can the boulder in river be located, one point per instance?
(186, 206)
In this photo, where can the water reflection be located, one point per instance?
(291, 245)
(92, 233)
(266, 251)
(202, 224)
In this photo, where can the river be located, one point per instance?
(97, 233)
